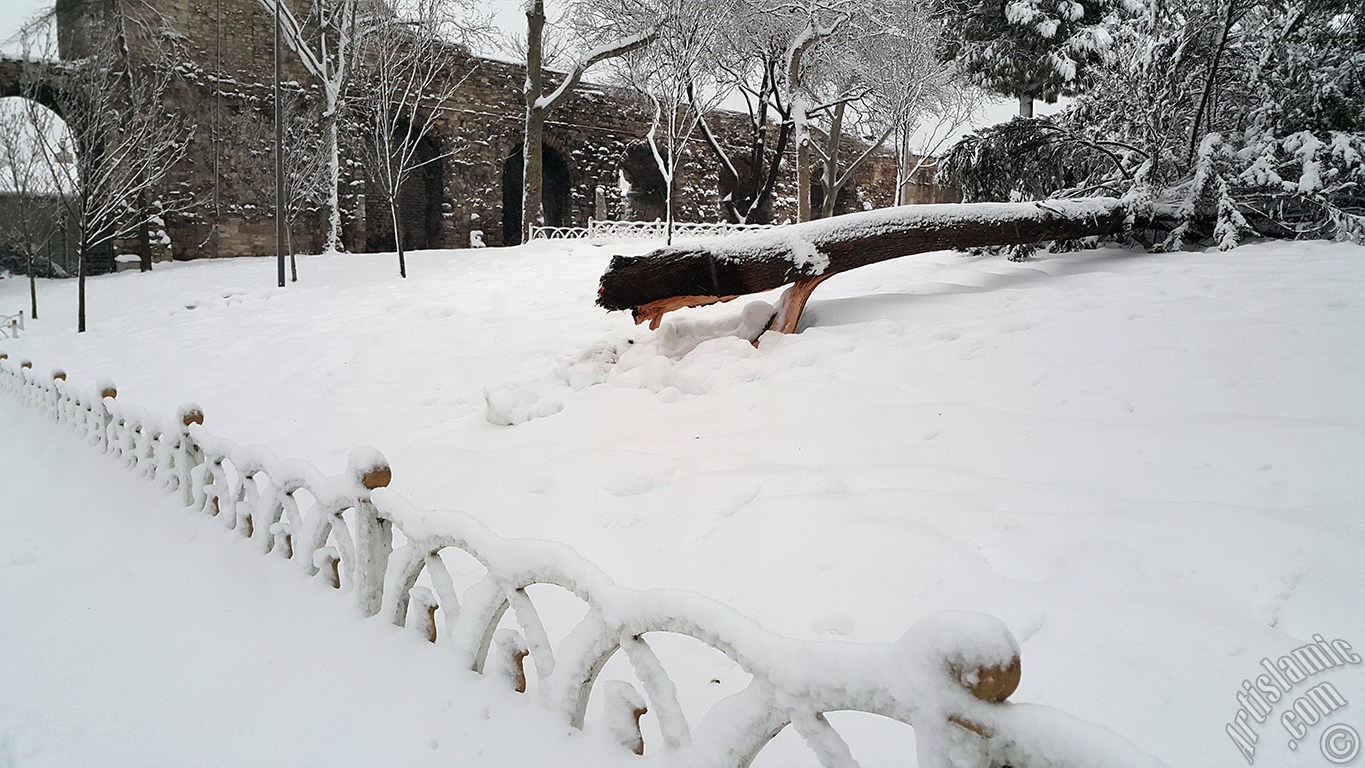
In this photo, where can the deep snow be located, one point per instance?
(1146, 465)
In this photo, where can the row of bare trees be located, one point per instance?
(93, 139)
(807, 73)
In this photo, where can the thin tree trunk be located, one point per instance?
(1208, 81)
(802, 170)
(801, 128)
(80, 289)
(830, 173)
(32, 289)
(289, 246)
(334, 189)
(531, 166)
(397, 238)
(668, 205)
(533, 183)
(1025, 105)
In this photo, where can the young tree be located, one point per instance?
(811, 23)
(607, 31)
(306, 164)
(325, 46)
(125, 143)
(31, 226)
(673, 75)
(920, 140)
(413, 68)
(747, 58)
(877, 78)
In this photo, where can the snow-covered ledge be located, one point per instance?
(948, 677)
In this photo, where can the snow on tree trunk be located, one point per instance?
(698, 274)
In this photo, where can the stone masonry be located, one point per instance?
(594, 149)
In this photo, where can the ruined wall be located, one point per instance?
(224, 50)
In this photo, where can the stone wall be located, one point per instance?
(593, 142)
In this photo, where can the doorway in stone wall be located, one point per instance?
(419, 206)
(642, 186)
(554, 193)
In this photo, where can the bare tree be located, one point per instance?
(306, 163)
(125, 142)
(920, 138)
(673, 74)
(608, 30)
(326, 47)
(413, 69)
(30, 227)
(747, 58)
(879, 77)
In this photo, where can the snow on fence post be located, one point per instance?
(624, 707)
(104, 418)
(374, 535)
(947, 677)
(186, 454)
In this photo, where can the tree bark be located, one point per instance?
(1025, 105)
(398, 238)
(531, 162)
(32, 288)
(694, 275)
(80, 290)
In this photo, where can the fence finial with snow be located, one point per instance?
(369, 467)
(189, 413)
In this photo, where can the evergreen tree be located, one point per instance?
(1029, 49)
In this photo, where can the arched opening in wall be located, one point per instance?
(643, 189)
(38, 185)
(554, 197)
(418, 203)
(817, 199)
(737, 194)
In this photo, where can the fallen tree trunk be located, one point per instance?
(710, 271)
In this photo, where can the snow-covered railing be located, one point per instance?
(656, 230)
(11, 325)
(947, 677)
(642, 230)
(558, 233)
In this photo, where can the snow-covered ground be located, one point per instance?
(1148, 466)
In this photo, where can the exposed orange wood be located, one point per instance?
(654, 311)
(793, 303)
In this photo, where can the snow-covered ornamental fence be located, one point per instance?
(11, 325)
(642, 230)
(947, 677)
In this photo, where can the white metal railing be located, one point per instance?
(642, 230)
(946, 677)
(558, 233)
(11, 325)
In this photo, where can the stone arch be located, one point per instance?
(729, 185)
(844, 203)
(556, 186)
(36, 218)
(644, 190)
(419, 203)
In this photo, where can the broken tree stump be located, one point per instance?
(804, 255)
